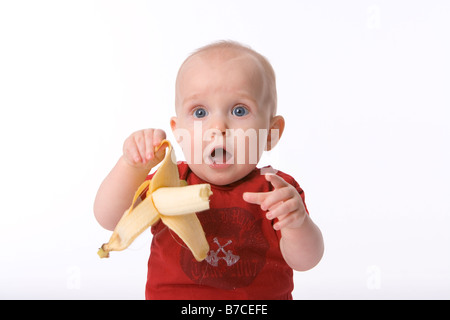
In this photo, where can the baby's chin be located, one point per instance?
(222, 177)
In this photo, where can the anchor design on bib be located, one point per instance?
(213, 256)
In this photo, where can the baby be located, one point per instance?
(257, 227)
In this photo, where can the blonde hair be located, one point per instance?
(225, 45)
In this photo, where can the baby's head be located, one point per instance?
(225, 104)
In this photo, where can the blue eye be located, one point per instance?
(200, 113)
(239, 111)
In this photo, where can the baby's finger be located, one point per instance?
(291, 220)
(139, 139)
(285, 222)
(148, 136)
(131, 152)
(277, 196)
(283, 208)
(158, 137)
(277, 181)
(255, 197)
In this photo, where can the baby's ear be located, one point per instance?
(173, 123)
(173, 126)
(276, 130)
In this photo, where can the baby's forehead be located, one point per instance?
(237, 67)
(257, 67)
(219, 71)
(220, 57)
(221, 54)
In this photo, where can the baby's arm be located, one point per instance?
(301, 240)
(117, 190)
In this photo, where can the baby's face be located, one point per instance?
(222, 117)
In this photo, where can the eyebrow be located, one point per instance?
(248, 97)
(193, 97)
(241, 95)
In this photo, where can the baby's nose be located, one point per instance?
(219, 125)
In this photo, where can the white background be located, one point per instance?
(363, 85)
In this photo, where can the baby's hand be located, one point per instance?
(139, 148)
(284, 203)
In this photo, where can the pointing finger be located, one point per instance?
(255, 197)
(277, 181)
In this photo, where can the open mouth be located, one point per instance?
(219, 156)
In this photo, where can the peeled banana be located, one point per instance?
(174, 201)
(161, 192)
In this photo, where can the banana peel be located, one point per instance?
(167, 198)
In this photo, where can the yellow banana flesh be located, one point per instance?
(174, 201)
(179, 216)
